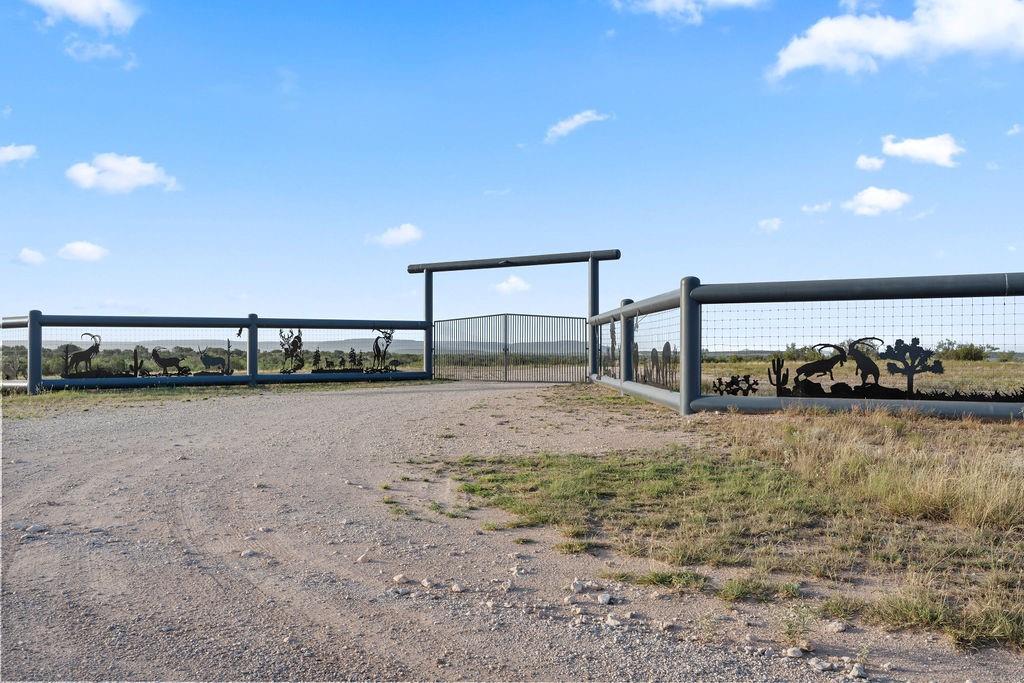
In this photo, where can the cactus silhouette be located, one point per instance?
(781, 377)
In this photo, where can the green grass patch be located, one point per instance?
(577, 547)
(678, 580)
(751, 587)
(841, 607)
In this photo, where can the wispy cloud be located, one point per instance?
(573, 123)
(89, 51)
(1015, 129)
(512, 284)
(685, 11)
(16, 153)
(873, 201)
(823, 207)
(103, 15)
(866, 163)
(858, 42)
(7, 111)
(498, 193)
(82, 251)
(406, 233)
(769, 225)
(938, 149)
(118, 174)
(31, 257)
(287, 81)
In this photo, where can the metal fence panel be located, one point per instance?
(511, 347)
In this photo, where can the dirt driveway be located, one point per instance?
(258, 537)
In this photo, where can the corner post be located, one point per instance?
(592, 310)
(34, 372)
(626, 346)
(252, 354)
(689, 345)
(428, 318)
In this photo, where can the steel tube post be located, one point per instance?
(689, 345)
(35, 352)
(252, 354)
(626, 346)
(428, 318)
(593, 308)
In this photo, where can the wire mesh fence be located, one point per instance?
(656, 349)
(14, 353)
(511, 347)
(968, 348)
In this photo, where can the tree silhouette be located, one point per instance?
(910, 360)
(353, 359)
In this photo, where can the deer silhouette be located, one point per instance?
(85, 355)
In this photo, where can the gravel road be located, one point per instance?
(249, 537)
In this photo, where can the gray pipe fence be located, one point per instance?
(692, 297)
(36, 322)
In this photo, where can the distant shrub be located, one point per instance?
(951, 350)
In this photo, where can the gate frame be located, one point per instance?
(593, 258)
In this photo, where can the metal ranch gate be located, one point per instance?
(511, 347)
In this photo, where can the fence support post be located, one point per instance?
(428, 318)
(626, 346)
(689, 345)
(252, 355)
(34, 372)
(593, 308)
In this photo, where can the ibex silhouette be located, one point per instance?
(85, 355)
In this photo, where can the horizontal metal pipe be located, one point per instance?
(14, 321)
(511, 261)
(178, 321)
(216, 380)
(328, 324)
(139, 321)
(766, 404)
(655, 304)
(924, 287)
(669, 399)
(340, 377)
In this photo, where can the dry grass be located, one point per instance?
(935, 506)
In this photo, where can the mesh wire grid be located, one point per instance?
(14, 352)
(739, 338)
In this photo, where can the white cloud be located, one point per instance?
(856, 43)
(287, 81)
(104, 15)
(16, 153)
(7, 111)
(85, 51)
(117, 173)
(405, 233)
(992, 166)
(82, 251)
(873, 201)
(769, 225)
(1015, 129)
(512, 284)
(823, 207)
(866, 163)
(686, 11)
(938, 149)
(30, 256)
(566, 126)
(498, 193)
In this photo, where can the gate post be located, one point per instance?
(428, 318)
(626, 346)
(252, 354)
(689, 345)
(592, 310)
(504, 341)
(34, 371)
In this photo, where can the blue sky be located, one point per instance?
(234, 157)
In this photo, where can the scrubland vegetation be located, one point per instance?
(900, 520)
